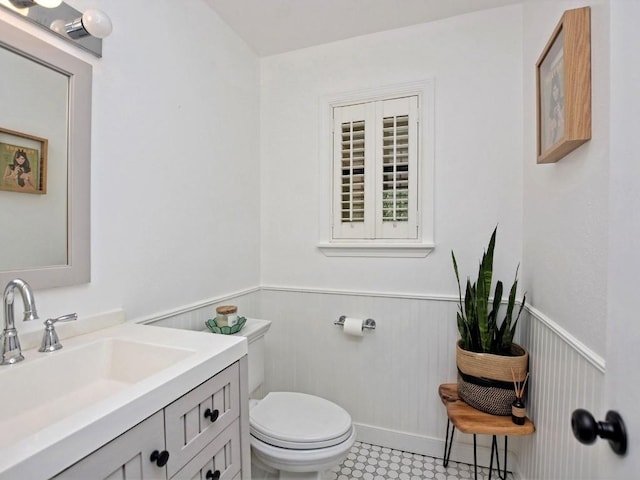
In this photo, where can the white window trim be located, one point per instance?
(424, 89)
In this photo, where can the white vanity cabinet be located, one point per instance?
(196, 436)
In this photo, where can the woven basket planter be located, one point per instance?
(485, 380)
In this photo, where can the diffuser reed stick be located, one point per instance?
(519, 387)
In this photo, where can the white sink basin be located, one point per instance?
(61, 383)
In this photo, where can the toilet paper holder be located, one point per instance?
(369, 323)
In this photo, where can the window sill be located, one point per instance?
(362, 249)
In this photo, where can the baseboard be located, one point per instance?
(434, 447)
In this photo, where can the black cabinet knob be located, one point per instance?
(211, 415)
(161, 458)
(213, 475)
(587, 430)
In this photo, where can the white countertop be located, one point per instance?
(42, 451)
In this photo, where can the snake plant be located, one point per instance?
(478, 318)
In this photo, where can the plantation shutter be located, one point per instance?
(375, 170)
(354, 169)
(397, 181)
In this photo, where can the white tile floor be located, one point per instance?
(371, 462)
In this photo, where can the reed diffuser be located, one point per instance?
(518, 411)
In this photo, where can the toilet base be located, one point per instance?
(273, 463)
(259, 471)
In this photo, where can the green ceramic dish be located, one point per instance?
(213, 326)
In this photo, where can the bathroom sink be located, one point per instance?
(56, 408)
(59, 384)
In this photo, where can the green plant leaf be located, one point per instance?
(455, 269)
(471, 309)
(515, 323)
(485, 275)
(487, 263)
(493, 316)
(506, 329)
(482, 299)
(464, 331)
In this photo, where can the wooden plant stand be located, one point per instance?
(469, 420)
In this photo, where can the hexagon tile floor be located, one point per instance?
(371, 462)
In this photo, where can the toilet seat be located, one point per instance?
(298, 421)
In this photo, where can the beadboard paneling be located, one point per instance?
(388, 379)
(563, 378)
(192, 317)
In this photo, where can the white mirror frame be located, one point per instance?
(78, 267)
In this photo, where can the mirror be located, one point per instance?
(45, 156)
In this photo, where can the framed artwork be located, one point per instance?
(23, 162)
(563, 87)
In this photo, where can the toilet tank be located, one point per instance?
(254, 330)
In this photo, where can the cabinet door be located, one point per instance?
(220, 459)
(195, 419)
(124, 458)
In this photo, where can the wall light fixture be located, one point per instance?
(83, 30)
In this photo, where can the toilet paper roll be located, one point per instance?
(353, 326)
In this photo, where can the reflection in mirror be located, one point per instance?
(44, 161)
(36, 97)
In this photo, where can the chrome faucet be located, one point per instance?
(10, 351)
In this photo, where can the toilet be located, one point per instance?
(293, 435)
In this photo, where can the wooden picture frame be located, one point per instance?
(23, 162)
(563, 87)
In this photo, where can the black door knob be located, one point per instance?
(213, 475)
(161, 458)
(211, 415)
(587, 430)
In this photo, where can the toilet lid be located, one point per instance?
(299, 421)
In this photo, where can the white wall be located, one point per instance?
(566, 203)
(174, 184)
(477, 71)
(623, 334)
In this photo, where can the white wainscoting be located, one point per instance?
(388, 379)
(194, 316)
(565, 375)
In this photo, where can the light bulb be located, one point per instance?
(97, 23)
(93, 22)
(10, 5)
(58, 27)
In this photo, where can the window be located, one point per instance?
(377, 151)
(376, 170)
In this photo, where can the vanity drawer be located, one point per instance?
(195, 419)
(222, 456)
(127, 456)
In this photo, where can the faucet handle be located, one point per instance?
(50, 340)
(64, 318)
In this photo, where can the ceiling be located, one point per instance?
(276, 26)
